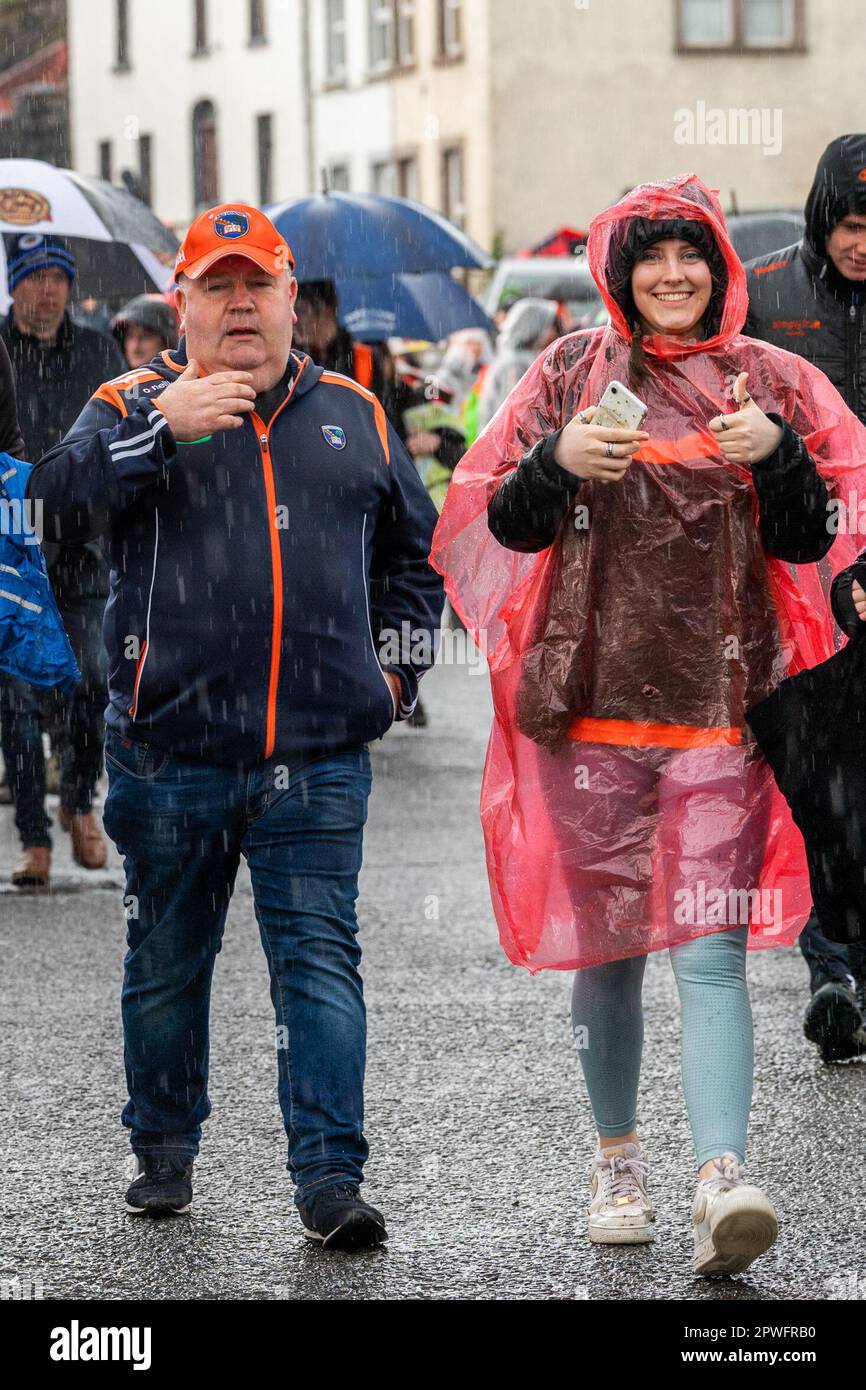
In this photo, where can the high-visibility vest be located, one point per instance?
(362, 357)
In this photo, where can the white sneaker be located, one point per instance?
(734, 1222)
(620, 1212)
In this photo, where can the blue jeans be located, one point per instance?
(182, 827)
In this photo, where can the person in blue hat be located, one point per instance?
(57, 364)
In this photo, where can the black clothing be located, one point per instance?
(54, 382)
(812, 731)
(797, 298)
(11, 441)
(526, 511)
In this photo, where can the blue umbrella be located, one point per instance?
(369, 234)
(427, 307)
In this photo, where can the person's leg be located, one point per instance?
(827, 960)
(25, 759)
(607, 1022)
(178, 825)
(81, 751)
(717, 1047)
(303, 844)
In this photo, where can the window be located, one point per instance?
(122, 34)
(452, 186)
(200, 26)
(740, 24)
(104, 154)
(405, 15)
(145, 169)
(381, 35)
(257, 22)
(335, 40)
(407, 178)
(204, 156)
(450, 28)
(265, 152)
(384, 177)
(338, 178)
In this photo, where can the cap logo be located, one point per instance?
(30, 240)
(334, 436)
(231, 225)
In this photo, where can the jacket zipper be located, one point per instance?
(852, 340)
(263, 433)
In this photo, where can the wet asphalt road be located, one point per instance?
(479, 1126)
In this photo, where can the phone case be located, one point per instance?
(620, 409)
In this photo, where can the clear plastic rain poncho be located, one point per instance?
(624, 803)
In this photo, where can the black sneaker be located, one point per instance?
(161, 1185)
(834, 1022)
(340, 1219)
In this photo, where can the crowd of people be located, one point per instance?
(654, 598)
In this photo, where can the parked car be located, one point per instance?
(564, 278)
(758, 233)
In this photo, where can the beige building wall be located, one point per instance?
(445, 103)
(585, 103)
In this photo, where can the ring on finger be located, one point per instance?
(609, 448)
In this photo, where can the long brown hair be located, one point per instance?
(638, 367)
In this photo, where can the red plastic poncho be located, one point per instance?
(624, 803)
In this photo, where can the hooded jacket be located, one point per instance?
(254, 572)
(797, 298)
(524, 330)
(643, 616)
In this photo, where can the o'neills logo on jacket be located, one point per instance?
(735, 907)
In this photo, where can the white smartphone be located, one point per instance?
(620, 409)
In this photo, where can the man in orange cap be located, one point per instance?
(269, 536)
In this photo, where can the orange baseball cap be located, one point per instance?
(232, 229)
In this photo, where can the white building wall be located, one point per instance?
(353, 121)
(158, 93)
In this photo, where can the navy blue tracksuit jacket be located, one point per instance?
(255, 573)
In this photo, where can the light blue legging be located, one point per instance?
(717, 1055)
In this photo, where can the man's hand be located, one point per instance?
(195, 406)
(747, 436)
(422, 443)
(858, 593)
(396, 688)
(596, 451)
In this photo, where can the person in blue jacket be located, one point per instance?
(268, 536)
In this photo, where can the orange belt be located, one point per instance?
(629, 733)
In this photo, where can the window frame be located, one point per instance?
(405, 13)
(105, 156)
(737, 44)
(447, 51)
(200, 26)
(122, 61)
(198, 168)
(265, 157)
(378, 11)
(447, 148)
(335, 77)
(258, 24)
(145, 168)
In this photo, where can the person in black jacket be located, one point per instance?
(57, 364)
(811, 299)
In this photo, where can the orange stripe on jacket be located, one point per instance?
(111, 396)
(336, 379)
(627, 733)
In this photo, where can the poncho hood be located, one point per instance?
(613, 248)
